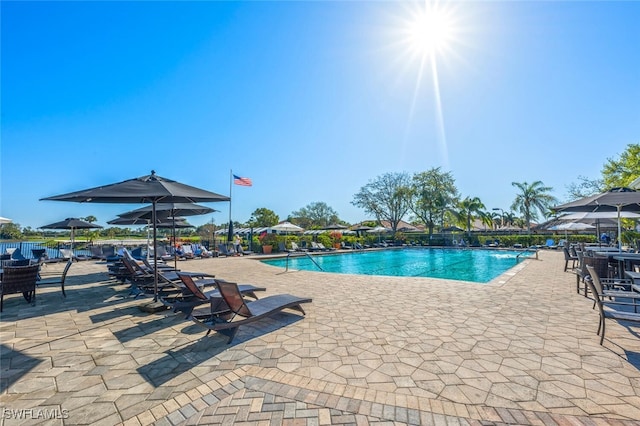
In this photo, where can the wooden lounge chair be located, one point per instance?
(241, 312)
(610, 312)
(59, 280)
(193, 295)
(19, 279)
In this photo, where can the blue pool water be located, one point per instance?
(475, 265)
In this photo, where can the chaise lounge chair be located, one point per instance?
(241, 312)
(224, 251)
(193, 295)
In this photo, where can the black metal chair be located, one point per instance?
(58, 280)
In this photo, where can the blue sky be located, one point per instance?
(311, 100)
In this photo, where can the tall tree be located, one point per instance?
(315, 215)
(10, 231)
(388, 197)
(623, 170)
(263, 217)
(584, 188)
(433, 192)
(468, 210)
(533, 199)
(616, 172)
(90, 219)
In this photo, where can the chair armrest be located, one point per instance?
(617, 283)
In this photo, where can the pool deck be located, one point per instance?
(371, 350)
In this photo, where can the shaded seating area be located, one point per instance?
(241, 312)
(19, 279)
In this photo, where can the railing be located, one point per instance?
(52, 247)
(527, 250)
(302, 254)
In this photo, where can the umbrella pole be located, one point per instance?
(619, 231)
(175, 243)
(155, 253)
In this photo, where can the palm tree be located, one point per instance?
(467, 211)
(533, 198)
(509, 218)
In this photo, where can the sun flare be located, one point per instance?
(430, 30)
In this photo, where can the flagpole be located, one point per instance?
(230, 188)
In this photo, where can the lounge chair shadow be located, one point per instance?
(143, 329)
(117, 312)
(14, 365)
(176, 362)
(633, 358)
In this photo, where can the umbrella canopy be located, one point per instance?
(361, 228)
(131, 221)
(615, 200)
(571, 226)
(592, 216)
(177, 223)
(4, 220)
(72, 224)
(452, 229)
(334, 227)
(146, 189)
(168, 209)
(287, 227)
(378, 230)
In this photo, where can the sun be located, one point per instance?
(430, 30)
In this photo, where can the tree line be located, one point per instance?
(428, 198)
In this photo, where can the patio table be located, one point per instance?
(626, 261)
(635, 279)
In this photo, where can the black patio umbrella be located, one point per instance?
(335, 227)
(452, 229)
(131, 221)
(135, 221)
(166, 211)
(359, 229)
(145, 189)
(169, 209)
(614, 200)
(72, 224)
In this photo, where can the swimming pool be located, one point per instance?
(475, 265)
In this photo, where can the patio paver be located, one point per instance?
(371, 350)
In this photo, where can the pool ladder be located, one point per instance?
(306, 254)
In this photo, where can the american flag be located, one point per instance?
(242, 181)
